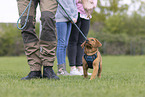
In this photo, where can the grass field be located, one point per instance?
(122, 76)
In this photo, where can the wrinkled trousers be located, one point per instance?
(39, 51)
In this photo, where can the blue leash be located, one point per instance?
(28, 7)
(72, 20)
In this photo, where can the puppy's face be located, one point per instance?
(91, 43)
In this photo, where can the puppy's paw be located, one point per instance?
(92, 78)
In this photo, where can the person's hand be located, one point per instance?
(88, 6)
(91, 1)
(74, 20)
(79, 1)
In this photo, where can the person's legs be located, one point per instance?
(48, 37)
(72, 45)
(63, 33)
(72, 48)
(61, 36)
(69, 26)
(31, 41)
(48, 34)
(85, 24)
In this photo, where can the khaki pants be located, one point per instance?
(47, 41)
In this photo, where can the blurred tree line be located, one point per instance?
(120, 31)
(11, 43)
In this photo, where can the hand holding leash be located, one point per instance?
(74, 20)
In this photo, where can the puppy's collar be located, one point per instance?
(91, 53)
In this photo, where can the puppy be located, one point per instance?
(92, 57)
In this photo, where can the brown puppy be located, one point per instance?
(92, 57)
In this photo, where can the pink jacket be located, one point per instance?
(80, 7)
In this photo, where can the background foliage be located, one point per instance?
(11, 42)
(119, 31)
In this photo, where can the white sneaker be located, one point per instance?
(89, 73)
(82, 72)
(75, 71)
(62, 72)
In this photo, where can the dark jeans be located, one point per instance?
(75, 51)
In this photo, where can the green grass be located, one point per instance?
(122, 76)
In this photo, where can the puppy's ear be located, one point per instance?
(83, 44)
(98, 44)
